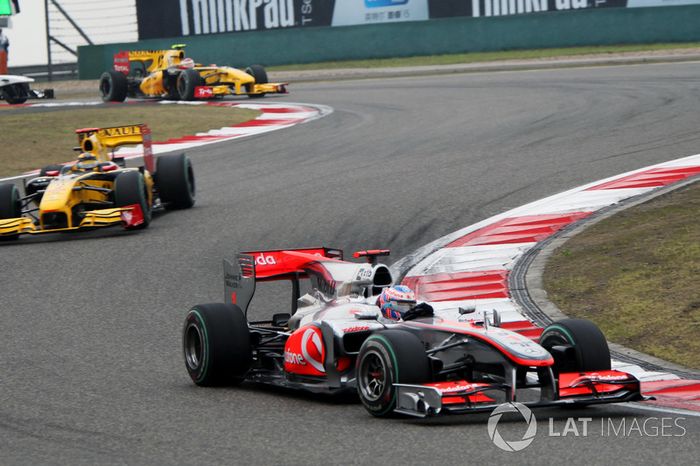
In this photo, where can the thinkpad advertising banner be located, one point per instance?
(174, 18)
(481, 8)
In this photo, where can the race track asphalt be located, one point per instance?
(92, 371)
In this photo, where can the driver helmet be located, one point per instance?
(186, 63)
(396, 300)
(86, 162)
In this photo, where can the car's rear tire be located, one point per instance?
(585, 346)
(129, 189)
(260, 75)
(10, 206)
(386, 358)
(187, 82)
(216, 345)
(175, 181)
(113, 86)
(17, 93)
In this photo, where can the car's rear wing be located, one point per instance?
(93, 139)
(270, 265)
(147, 61)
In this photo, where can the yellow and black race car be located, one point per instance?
(167, 74)
(97, 190)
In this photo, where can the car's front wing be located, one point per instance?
(461, 397)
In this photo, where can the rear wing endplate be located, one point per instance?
(239, 281)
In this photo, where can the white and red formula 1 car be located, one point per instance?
(428, 363)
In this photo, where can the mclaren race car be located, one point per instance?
(98, 190)
(167, 74)
(16, 90)
(423, 363)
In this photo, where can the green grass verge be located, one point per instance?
(478, 57)
(636, 275)
(32, 140)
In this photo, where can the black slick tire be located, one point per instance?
(216, 345)
(175, 181)
(10, 206)
(260, 75)
(17, 93)
(187, 82)
(587, 349)
(113, 86)
(386, 358)
(129, 189)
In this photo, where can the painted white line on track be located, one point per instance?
(661, 409)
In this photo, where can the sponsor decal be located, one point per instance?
(304, 352)
(489, 8)
(203, 92)
(294, 358)
(456, 388)
(357, 328)
(120, 131)
(348, 12)
(170, 18)
(121, 62)
(262, 259)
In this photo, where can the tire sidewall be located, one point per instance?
(10, 205)
(226, 354)
(132, 190)
(589, 345)
(381, 347)
(175, 181)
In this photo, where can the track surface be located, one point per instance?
(92, 370)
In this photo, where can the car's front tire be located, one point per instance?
(216, 345)
(187, 82)
(130, 189)
(386, 358)
(577, 345)
(260, 75)
(10, 206)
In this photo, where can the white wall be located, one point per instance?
(103, 21)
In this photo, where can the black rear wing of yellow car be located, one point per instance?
(94, 140)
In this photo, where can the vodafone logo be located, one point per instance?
(294, 358)
(262, 259)
(312, 349)
(127, 216)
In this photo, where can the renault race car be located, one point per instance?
(427, 363)
(98, 190)
(16, 90)
(167, 74)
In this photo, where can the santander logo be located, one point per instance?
(262, 259)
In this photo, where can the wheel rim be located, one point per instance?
(194, 347)
(373, 376)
